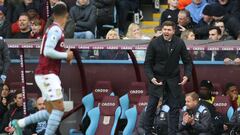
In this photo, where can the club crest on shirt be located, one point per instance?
(53, 37)
(62, 44)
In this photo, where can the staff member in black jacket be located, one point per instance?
(4, 61)
(163, 72)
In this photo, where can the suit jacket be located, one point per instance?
(162, 62)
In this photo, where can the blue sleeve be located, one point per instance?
(53, 36)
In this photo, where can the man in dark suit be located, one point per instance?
(163, 72)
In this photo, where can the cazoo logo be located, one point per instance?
(108, 104)
(101, 90)
(136, 91)
(220, 104)
(142, 104)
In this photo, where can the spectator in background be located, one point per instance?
(183, 3)
(84, 16)
(201, 30)
(230, 6)
(4, 101)
(21, 8)
(171, 13)
(36, 28)
(157, 31)
(123, 9)
(231, 23)
(5, 30)
(15, 112)
(33, 15)
(113, 54)
(4, 60)
(184, 22)
(224, 33)
(214, 33)
(41, 126)
(104, 15)
(134, 32)
(188, 35)
(69, 27)
(195, 119)
(232, 91)
(24, 25)
(195, 9)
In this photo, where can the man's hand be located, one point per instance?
(186, 118)
(182, 28)
(154, 81)
(227, 61)
(184, 81)
(9, 129)
(69, 56)
(237, 61)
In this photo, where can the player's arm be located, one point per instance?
(54, 35)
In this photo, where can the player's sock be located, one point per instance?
(53, 122)
(34, 118)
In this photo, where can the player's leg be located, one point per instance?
(54, 105)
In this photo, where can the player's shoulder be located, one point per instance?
(55, 29)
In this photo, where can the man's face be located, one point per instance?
(28, 2)
(168, 32)
(83, 2)
(32, 13)
(2, 16)
(1, 2)
(53, 2)
(223, 2)
(207, 18)
(173, 3)
(232, 92)
(40, 104)
(5, 91)
(213, 35)
(19, 100)
(204, 93)
(190, 103)
(182, 19)
(191, 36)
(23, 22)
(112, 35)
(221, 26)
(197, 2)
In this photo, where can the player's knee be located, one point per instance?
(58, 105)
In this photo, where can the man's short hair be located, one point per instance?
(215, 28)
(16, 93)
(157, 28)
(60, 9)
(193, 95)
(228, 85)
(169, 23)
(24, 14)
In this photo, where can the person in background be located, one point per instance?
(195, 9)
(188, 35)
(134, 32)
(5, 30)
(171, 13)
(4, 60)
